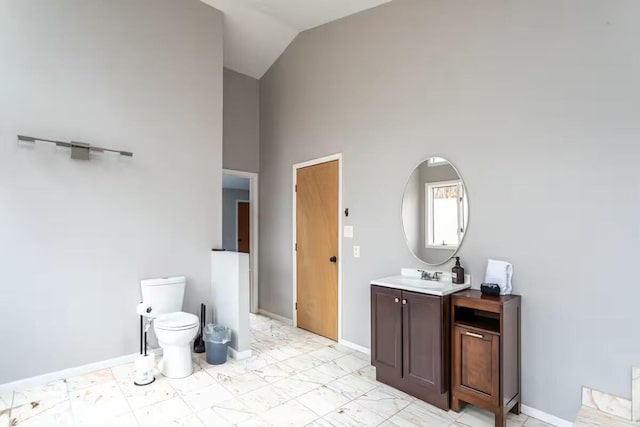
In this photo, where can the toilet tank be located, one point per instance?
(165, 295)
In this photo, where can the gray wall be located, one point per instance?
(229, 218)
(526, 99)
(241, 122)
(76, 237)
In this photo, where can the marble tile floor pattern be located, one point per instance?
(294, 378)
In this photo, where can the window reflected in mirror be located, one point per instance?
(435, 211)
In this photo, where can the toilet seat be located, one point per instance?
(178, 321)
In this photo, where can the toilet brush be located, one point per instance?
(145, 363)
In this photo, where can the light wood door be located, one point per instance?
(244, 235)
(317, 248)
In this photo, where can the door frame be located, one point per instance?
(237, 222)
(255, 235)
(313, 162)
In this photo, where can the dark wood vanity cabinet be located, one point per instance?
(410, 342)
(486, 353)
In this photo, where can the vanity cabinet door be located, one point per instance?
(423, 341)
(476, 371)
(386, 331)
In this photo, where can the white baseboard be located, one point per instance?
(354, 346)
(70, 372)
(543, 416)
(282, 319)
(239, 355)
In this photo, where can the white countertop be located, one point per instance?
(410, 280)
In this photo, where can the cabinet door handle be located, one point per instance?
(404, 301)
(471, 334)
(397, 299)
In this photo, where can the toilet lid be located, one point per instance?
(176, 321)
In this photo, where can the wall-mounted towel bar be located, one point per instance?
(79, 150)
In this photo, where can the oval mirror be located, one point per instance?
(435, 211)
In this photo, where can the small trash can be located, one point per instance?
(216, 342)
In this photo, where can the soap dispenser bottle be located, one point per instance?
(457, 273)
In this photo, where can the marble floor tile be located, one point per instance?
(124, 373)
(332, 369)
(265, 398)
(275, 372)
(351, 363)
(209, 418)
(4, 417)
(322, 400)
(243, 383)
(188, 421)
(352, 386)
(139, 397)
(368, 373)
(302, 362)
(162, 412)
(97, 404)
(232, 368)
(422, 414)
(605, 402)
(5, 400)
(532, 422)
(206, 397)
(294, 387)
(193, 382)
(52, 414)
(259, 361)
(292, 414)
(383, 401)
(326, 354)
(234, 411)
(41, 397)
(353, 415)
(90, 379)
(589, 417)
(315, 375)
(476, 417)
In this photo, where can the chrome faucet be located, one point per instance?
(425, 275)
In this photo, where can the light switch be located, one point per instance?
(348, 231)
(356, 251)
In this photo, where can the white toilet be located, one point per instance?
(174, 329)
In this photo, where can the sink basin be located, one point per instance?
(410, 280)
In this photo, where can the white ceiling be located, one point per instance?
(256, 32)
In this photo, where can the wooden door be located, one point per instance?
(423, 340)
(476, 358)
(386, 331)
(244, 234)
(317, 249)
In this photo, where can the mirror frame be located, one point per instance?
(404, 233)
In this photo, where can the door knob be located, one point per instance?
(397, 299)
(404, 302)
(333, 259)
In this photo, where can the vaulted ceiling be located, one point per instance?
(256, 32)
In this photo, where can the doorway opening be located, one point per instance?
(240, 221)
(317, 246)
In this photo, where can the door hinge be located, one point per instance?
(296, 188)
(296, 247)
(296, 306)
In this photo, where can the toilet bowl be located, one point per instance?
(175, 333)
